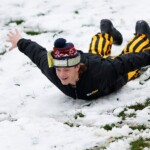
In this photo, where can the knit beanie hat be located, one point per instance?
(63, 55)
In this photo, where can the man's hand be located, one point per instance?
(13, 38)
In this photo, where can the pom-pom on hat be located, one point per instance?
(64, 54)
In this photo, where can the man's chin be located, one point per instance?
(64, 83)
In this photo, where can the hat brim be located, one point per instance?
(63, 62)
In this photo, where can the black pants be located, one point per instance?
(101, 45)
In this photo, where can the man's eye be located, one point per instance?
(66, 69)
(58, 69)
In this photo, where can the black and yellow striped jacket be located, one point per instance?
(102, 76)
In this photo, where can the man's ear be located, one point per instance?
(77, 67)
(82, 68)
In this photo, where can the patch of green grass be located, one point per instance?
(137, 106)
(69, 124)
(34, 32)
(103, 147)
(140, 106)
(72, 124)
(147, 103)
(140, 144)
(139, 127)
(114, 139)
(97, 148)
(120, 122)
(18, 22)
(119, 138)
(109, 127)
(122, 114)
(132, 115)
(2, 53)
(80, 114)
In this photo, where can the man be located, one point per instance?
(89, 75)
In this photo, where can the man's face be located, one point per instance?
(68, 75)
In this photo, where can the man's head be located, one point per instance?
(68, 75)
(66, 60)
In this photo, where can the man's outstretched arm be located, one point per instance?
(34, 51)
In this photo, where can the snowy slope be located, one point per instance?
(34, 114)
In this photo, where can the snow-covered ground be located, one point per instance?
(34, 114)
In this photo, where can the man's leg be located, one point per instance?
(140, 42)
(101, 43)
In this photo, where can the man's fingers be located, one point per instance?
(13, 37)
(11, 48)
(17, 31)
(7, 40)
(14, 33)
(11, 34)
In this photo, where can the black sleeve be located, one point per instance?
(37, 54)
(131, 61)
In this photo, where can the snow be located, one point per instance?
(33, 112)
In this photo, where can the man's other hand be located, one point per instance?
(13, 38)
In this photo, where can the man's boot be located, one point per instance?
(142, 27)
(106, 26)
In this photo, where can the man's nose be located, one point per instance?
(62, 73)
